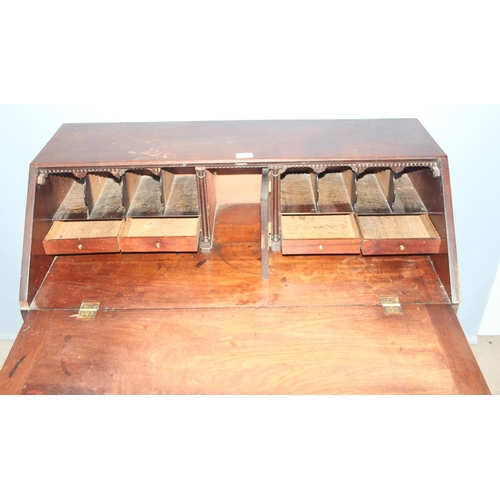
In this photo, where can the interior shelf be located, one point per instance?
(141, 195)
(317, 234)
(396, 234)
(298, 193)
(372, 193)
(180, 195)
(73, 237)
(375, 212)
(353, 234)
(73, 205)
(159, 211)
(129, 235)
(328, 192)
(160, 235)
(407, 199)
(335, 191)
(103, 197)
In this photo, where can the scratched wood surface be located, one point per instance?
(208, 324)
(18, 364)
(406, 199)
(333, 194)
(390, 227)
(297, 193)
(146, 199)
(104, 197)
(73, 206)
(230, 351)
(115, 144)
(88, 236)
(371, 198)
(230, 275)
(318, 226)
(183, 197)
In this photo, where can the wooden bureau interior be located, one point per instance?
(256, 257)
(376, 213)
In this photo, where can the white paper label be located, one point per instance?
(244, 155)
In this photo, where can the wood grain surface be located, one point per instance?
(334, 195)
(230, 275)
(371, 197)
(396, 227)
(315, 350)
(25, 350)
(319, 234)
(160, 235)
(115, 144)
(250, 351)
(79, 237)
(206, 323)
(318, 226)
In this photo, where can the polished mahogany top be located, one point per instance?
(229, 142)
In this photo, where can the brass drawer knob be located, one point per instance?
(80, 246)
(157, 245)
(321, 247)
(401, 247)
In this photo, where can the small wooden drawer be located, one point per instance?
(399, 234)
(160, 235)
(319, 234)
(74, 237)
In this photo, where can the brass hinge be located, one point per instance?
(88, 310)
(391, 305)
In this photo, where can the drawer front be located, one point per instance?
(319, 234)
(159, 244)
(87, 236)
(323, 246)
(160, 235)
(81, 245)
(402, 246)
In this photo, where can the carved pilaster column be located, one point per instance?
(201, 183)
(275, 208)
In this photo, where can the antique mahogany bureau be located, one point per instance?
(232, 257)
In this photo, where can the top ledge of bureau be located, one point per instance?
(228, 142)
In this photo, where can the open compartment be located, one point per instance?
(159, 210)
(382, 191)
(141, 194)
(299, 192)
(69, 196)
(317, 212)
(392, 213)
(406, 198)
(85, 214)
(309, 192)
(397, 213)
(160, 235)
(319, 234)
(392, 216)
(399, 234)
(375, 192)
(103, 196)
(336, 191)
(74, 237)
(179, 194)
